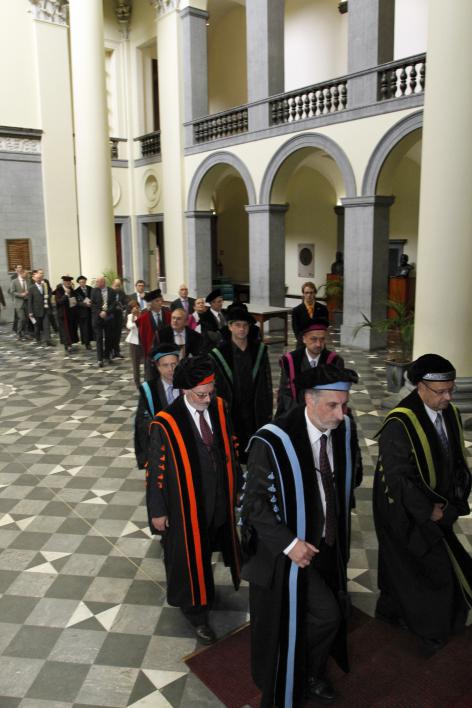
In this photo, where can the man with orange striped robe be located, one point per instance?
(193, 479)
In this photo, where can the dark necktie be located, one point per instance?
(438, 424)
(207, 435)
(328, 487)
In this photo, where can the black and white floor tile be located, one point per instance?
(83, 617)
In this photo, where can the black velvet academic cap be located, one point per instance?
(153, 295)
(164, 349)
(194, 371)
(431, 367)
(327, 376)
(238, 314)
(213, 295)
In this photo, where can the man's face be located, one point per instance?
(165, 366)
(326, 408)
(82, 282)
(36, 278)
(177, 320)
(156, 305)
(200, 304)
(217, 304)
(100, 283)
(183, 291)
(309, 294)
(315, 342)
(116, 285)
(19, 269)
(140, 288)
(200, 396)
(436, 394)
(239, 330)
(41, 275)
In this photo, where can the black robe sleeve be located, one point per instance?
(156, 492)
(141, 432)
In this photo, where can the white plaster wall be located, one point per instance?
(18, 79)
(411, 18)
(232, 239)
(315, 42)
(405, 211)
(227, 84)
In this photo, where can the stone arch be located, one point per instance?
(309, 140)
(219, 158)
(391, 138)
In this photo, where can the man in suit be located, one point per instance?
(308, 311)
(192, 486)
(120, 301)
(139, 294)
(39, 308)
(296, 511)
(292, 364)
(101, 299)
(213, 320)
(154, 396)
(19, 291)
(183, 302)
(84, 313)
(150, 323)
(178, 333)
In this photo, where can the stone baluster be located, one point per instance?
(403, 82)
(343, 99)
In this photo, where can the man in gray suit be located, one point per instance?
(39, 308)
(19, 291)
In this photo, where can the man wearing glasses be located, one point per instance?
(193, 479)
(421, 487)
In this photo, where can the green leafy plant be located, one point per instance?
(401, 325)
(111, 275)
(333, 290)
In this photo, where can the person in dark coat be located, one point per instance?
(84, 311)
(307, 312)
(213, 320)
(314, 353)
(189, 342)
(421, 487)
(154, 396)
(192, 485)
(40, 308)
(243, 377)
(66, 308)
(101, 299)
(150, 323)
(120, 301)
(183, 302)
(296, 508)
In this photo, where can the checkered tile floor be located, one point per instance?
(83, 617)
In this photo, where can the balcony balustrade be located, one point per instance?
(150, 144)
(402, 78)
(309, 102)
(221, 125)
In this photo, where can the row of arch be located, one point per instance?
(310, 140)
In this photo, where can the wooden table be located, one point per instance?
(265, 313)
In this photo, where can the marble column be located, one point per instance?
(267, 253)
(265, 57)
(195, 66)
(371, 26)
(199, 252)
(366, 229)
(444, 282)
(93, 163)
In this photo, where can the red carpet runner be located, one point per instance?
(387, 670)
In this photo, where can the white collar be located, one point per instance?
(215, 313)
(432, 414)
(311, 358)
(313, 433)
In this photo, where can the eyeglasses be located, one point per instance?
(202, 396)
(442, 392)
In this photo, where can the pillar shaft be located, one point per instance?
(199, 252)
(444, 283)
(366, 228)
(267, 253)
(93, 164)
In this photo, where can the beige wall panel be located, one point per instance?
(18, 78)
(227, 86)
(405, 211)
(233, 242)
(411, 20)
(315, 42)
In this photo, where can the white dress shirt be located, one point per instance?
(313, 361)
(196, 415)
(432, 414)
(133, 336)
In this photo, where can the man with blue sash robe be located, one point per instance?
(296, 507)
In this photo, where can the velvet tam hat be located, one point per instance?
(431, 367)
(164, 349)
(326, 377)
(213, 295)
(67, 277)
(194, 371)
(239, 314)
(153, 295)
(321, 324)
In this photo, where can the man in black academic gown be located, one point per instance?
(84, 312)
(154, 395)
(292, 364)
(421, 487)
(213, 320)
(296, 509)
(243, 377)
(193, 480)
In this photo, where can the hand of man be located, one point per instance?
(437, 513)
(302, 553)
(103, 315)
(160, 523)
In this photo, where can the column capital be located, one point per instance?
(123, 9)
(266, 208)
(163, 7)
(194, 12)
(374, 201)
(54, 11)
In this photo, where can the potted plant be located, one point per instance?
(400, 325)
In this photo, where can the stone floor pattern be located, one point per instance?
(83, 616)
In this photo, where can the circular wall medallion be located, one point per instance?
(306, 256)
(152, 189)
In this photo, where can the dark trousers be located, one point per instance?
(41, 328)
(323, 612)
(85, 328)
(136, 353)
(22, 320)
(103, 335)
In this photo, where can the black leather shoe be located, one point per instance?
(429, 647)
(205, 634)
(319, 689)
(100, 364)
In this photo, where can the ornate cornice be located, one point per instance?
(162, 7)
(123, 9)
(11, 143)
(54, 11)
